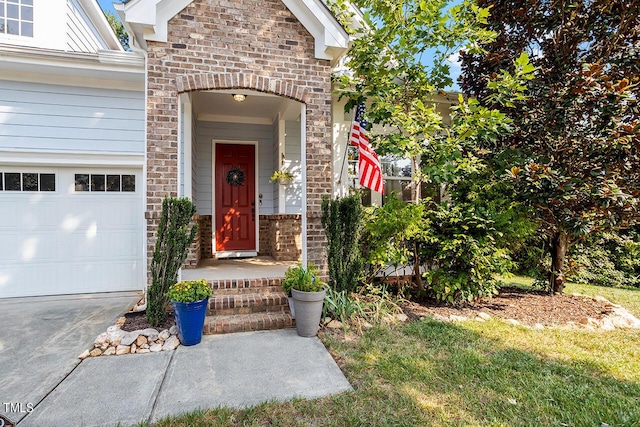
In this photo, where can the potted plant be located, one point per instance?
(282, 176)
(308, 292)
(190, 299)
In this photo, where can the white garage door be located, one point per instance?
(70, 230)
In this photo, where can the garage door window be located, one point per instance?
(27, 181)
(100, 183)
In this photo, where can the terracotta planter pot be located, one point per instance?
(308, 309)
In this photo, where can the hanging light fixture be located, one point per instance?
(239, 97)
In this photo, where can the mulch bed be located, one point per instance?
(527, 307)
(136, 321)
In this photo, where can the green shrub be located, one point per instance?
(608, 259)
(342, 221)
(340, 305)
(302, 279)
(462, 250)
(173, 239)
(388, 236)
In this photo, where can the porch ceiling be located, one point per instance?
(258, 107)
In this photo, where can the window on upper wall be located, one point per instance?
(16, 17)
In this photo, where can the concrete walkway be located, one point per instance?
(233, 370)
(41, 337)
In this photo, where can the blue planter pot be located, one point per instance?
(190, 320)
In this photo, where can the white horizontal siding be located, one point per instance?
(81, 34)
(49, 117)
(205, 133)
(292, 149)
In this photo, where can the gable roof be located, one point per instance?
(146, 20)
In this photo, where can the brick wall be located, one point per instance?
(281, 236)
(250, 44)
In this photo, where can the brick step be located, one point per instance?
(247, 323)
(240, 291)
(220, 305)
(238, 284)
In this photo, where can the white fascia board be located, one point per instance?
(331, 40)
(148, 19)
(114, 65)
(99, 21)
(71, 158)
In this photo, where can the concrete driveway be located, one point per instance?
(40, 339)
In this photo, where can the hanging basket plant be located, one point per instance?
(235, 176)
(282, 176)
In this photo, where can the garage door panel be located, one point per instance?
(67, 242)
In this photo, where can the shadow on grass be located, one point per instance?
(471, 378)
(432, 373)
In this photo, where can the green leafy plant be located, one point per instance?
(461, 247)
(281, 174)
(302, 279)
(173, 238)
(189, 291)
(342, 221)
(341, 305)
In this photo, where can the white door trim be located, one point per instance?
(233, 254)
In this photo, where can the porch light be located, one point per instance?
(239, 97)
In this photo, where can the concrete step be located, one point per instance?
(247, 303)
(247, 322)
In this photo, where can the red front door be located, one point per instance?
(235, 210)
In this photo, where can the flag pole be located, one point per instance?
(346, 148)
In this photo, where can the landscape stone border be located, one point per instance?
(618, 318)
(116, 342)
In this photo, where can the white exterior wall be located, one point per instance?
(82, 36)
(205, 133)
(293, 191)
(46, 117)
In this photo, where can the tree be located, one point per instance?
(574, 155)
(118, 28)
(390, 71)
(173, 238)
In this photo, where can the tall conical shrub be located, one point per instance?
(342, 222)
(172, 246)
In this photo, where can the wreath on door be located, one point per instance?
(235, 176)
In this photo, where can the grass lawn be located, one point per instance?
(442, 374)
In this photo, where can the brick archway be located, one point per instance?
(214, 81)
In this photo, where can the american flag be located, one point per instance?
(369, 167)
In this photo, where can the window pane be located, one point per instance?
(30, 2)
(26, 29)
(113, 182)
(47, 182)
(12, 181)
(128, 183)
(82, 182)
(1, 9)
(13, 11)
(97, 182)
(3, 28)
(396, 166)
(27, 13)
(13, 27)
(401, 189)
(29, 182)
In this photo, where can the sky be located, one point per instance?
(107, 6)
